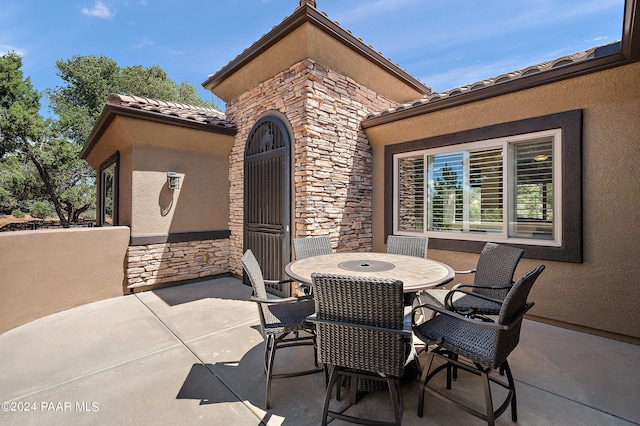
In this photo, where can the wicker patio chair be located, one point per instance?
(359, 324)
(410, 246)
(307, 247)
(493, 278)
(477, 346)
(311, 246)
(283, 321)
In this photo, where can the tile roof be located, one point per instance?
(187, 112)
(514, 75)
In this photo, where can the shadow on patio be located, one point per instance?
(193, 354)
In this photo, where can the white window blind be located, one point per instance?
(500, 189)
(411, 194)
(533, 207)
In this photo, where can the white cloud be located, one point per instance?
(143, 43)
(100, 10)
(366, 10)
(6, 48)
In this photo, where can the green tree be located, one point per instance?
(40, 210)
(89, 80)
(25, 133)
(19, 183)
(447, 199)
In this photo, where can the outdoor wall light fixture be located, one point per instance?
(173, 179)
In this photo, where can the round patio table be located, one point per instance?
(416, 273)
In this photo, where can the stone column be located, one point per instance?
(332, 157)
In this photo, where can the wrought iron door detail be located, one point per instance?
(267, 197)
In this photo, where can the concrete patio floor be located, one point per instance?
(193, 354)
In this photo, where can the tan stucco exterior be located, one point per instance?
(148, 150)
(48, 271)
(602, 294)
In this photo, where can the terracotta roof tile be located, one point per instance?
(175, 109)
(534, 69)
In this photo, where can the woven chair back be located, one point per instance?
(311, 246)
(496, 266)
(354, 302)
(410, 246)
(252, 269)
(506, 340)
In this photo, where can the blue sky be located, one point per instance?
(444, 44)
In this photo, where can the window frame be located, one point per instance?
(508, 179)
(112, 162)
(569, 246)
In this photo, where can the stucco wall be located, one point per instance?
(148, 150)
(200, 204)
(602, 294)
(171, 229)
(48, 271)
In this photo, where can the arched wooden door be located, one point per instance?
(267, 199)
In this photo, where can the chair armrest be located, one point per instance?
(277, 282)
(305, 297)
(489, 287)
(402, 332)
(283, 300)
(476, 322)
(448, 303)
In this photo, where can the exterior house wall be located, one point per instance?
(601, 294)
(156, 214)
(201, 204)
(331, 156)
(151, 265)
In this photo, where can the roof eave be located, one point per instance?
(304, 14)
(541, 78)
(629, 52)
(110, 111)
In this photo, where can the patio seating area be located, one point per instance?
(194, 354)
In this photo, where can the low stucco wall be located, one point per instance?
(48, 271)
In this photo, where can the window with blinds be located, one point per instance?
(465, 191)
(411, 194)
(532, 197)
(501, 189)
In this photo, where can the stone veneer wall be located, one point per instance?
(332, 157)
(153, 264)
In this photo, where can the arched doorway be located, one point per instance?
(267, 197)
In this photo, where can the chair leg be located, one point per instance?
(396, 399)
(333, 379)
(512, 388)
(455, 368)
(487, 398)
(423, 385)
(267, 349)
(271, 359)
(353, 389)
(315, 351)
